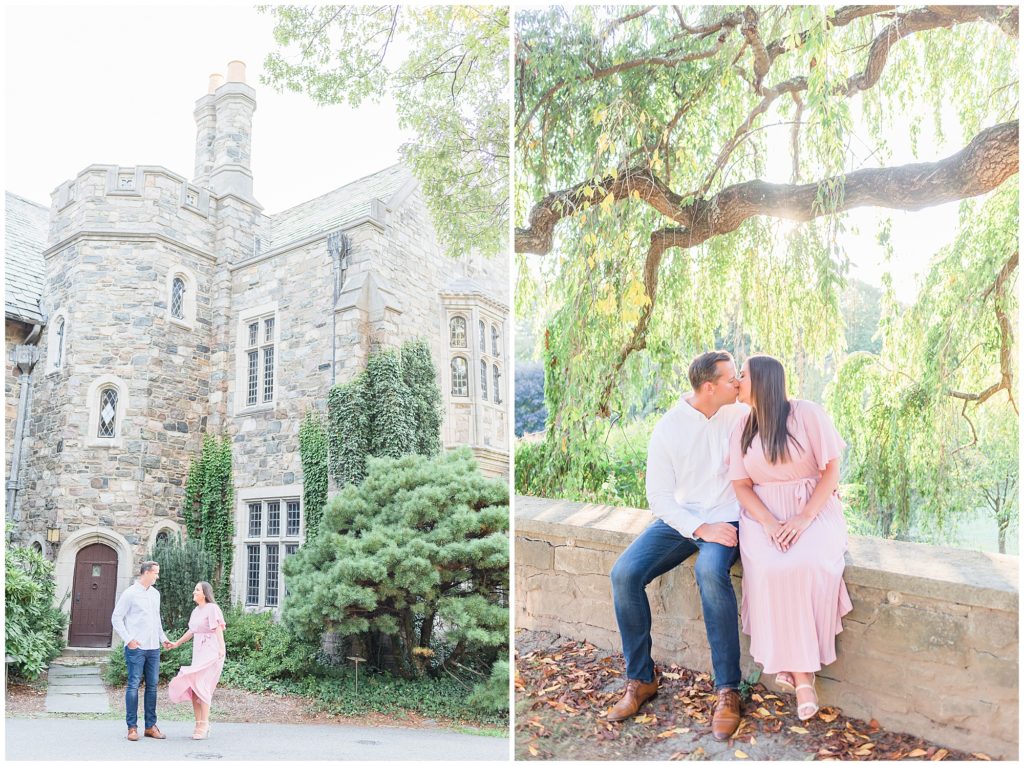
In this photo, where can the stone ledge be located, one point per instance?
(965, 577)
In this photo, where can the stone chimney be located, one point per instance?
(224, 134)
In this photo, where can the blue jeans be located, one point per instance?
(141, 662)
(658, 549)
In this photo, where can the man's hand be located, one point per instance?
(169, 644)
(721, 532)
(133, 644)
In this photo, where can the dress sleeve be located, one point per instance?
(826, 443)
(734, 457)
(215, 618)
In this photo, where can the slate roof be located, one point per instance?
(337, 208)
(25, 229)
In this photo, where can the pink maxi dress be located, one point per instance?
(793, 602)
(201, 677)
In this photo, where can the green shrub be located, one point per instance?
(182, 565)
(246, 632)
(420, 547)
(34, 626)
(490, 697)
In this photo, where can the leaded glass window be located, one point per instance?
(460, 377)
(294, 520)
(273, 575)
(483, 335)
(252, 590)
(162, 537)
(108, 413)
(178, 298)
(269, 541)
(458, 332)
(274, 518)
(495, 341)
(497, 384)
(260, 337)
(483, 381)
(255, 519)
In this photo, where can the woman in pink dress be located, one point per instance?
(197, 681)
(784, 466)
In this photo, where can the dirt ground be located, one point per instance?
(26, 700)
(564, 688)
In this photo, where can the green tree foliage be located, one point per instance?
(652, 219)
(392, 428)
(209, 508)
(412, 562)
(313, 453)
(34, 627)
(420, 378)
(182, 565)
(450, 89)
(932, 419)
(348, 431)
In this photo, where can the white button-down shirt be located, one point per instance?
(687, 477)
(137, 617)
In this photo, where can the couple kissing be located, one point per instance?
(737, 470)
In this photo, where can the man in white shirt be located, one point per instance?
(136, 619)
(689, 491)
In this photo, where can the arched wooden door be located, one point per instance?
(92, 596)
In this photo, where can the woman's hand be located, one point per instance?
(791, 530)
(771, 527)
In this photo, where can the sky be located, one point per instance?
(118, 84)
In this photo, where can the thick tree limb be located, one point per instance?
(981, 166)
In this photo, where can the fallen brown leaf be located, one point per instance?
(981, 756)
(917, 753)
(741, 754)
(798, 730)
(940, 754)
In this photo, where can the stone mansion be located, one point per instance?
(145, 309)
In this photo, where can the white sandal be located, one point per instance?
(785, 685)
(803, 707)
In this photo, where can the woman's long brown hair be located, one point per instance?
(769, 409)
(207, 591)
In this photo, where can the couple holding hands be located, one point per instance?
(136, 619)
(754, 479)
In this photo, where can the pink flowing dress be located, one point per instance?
(793, 602)
(201, 677)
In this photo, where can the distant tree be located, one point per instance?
(530, 410)
(929, 418)
(451, 90)
(415, 558)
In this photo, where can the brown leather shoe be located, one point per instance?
(636, 694)
(133, 734)
(155, 733)
(726, 716)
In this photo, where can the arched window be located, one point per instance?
(497, 385)
(495, 340)
(458, 332)
(162, 537)
(483, 335)
(37, 546)
(58, 352)
(460, 377)
(108, 413)
(483, 381)
(178, 298)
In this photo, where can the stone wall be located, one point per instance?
(15, 334)
(930, 647)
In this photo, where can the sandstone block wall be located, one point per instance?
(930, 648)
